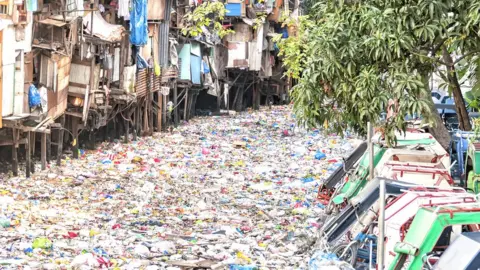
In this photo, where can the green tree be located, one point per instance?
(362, 54)
(208, 15)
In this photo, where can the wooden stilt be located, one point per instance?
(32, 150)
(185, 110)
(14, 152)
(28, 152)
(60, 140)
(145, 116)
(49, 147)
(105, 132)
(135, 123)
(91, 140)
(175, 104)
(150, 114)
(43, 151)
(159, 111)
(115, 127)
(75, 136)
(126, 122)
(164, 112)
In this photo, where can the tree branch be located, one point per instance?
(439, 45)
(465, 55)
(431, 58)
(444, 77)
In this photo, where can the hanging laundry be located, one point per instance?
(138, 23)
(123, 6)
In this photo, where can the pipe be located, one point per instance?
(370, 150)
(381, 226)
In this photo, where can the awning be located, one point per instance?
(101, 28)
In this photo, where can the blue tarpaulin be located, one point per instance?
(138, 23)
(234, 9)
(196, 66)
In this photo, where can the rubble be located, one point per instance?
(221, 192)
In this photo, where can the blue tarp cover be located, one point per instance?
(138, 23)
(196, 66)
(234, 9)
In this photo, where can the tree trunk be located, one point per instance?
(438, 129)
(460, 107)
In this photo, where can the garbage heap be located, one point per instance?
(225, 192)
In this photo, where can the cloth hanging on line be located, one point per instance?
(123, 9)
(138, 23)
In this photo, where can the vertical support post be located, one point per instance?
(115, 128)
(150, 114)
(126, 122)
(185, 113)
(164, 111)
(135, 122)
(145, 114)
(32, 150)
(122, 62)
(49, 146)
(219, 87)
(14, 152)
(60, 140)
(370, 150)
(175, 104)
(28, 153)
(91, 140)
(43, 151)
(159, 110)
(75, 136)
(381, 226)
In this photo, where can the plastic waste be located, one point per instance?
(42, 242)
(33, 96)
(232, 188)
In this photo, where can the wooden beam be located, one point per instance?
(60, 140)
(49, 147)
(127, 127)
(175, 103)
(28, 156)
(159, 111)
(185, 109)
(32, 150)
(14, 152)
(10, 142)
(43, 151)
(136, 115)
(74, 114)
(164, 112)
(75, 136)
(122, 62)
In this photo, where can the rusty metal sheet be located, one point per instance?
(141, 83)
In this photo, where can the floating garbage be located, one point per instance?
(235, 192)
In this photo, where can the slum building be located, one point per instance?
(80, 71)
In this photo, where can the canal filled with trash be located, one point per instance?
(235, 192)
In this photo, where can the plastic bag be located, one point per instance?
(157, 69)
(33, 97)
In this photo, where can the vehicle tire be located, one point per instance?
(350, 255)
